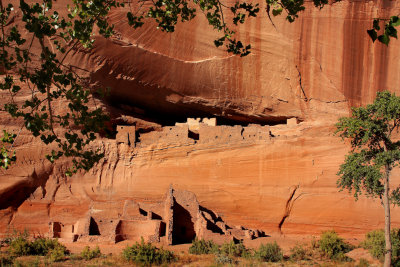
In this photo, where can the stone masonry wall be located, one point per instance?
(200, 131)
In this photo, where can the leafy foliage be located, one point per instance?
(21, 246)
(6, 157)
(89, 254)
(58, 253)
(224, 254)
(147, 254)
(332, 246)
(375, 243)
(202, 246)
(53, 80)
(292, 8)
(375, 152)
(234, 250)
(12, 235)
(270, 252)
(370, 129)
(389, 30)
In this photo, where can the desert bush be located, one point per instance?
(202, 246)
(89, 254)
(299, 253)
(234, 250)
(43, 246)
(375, 244)
(59, 253)
(270, 252)
(12, 235)
(21, 246)
(224, 259)
(333, 247)
(147, 254)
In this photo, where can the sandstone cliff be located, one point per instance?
(313, 69)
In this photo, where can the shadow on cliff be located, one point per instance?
(20, 191)
(165, 106)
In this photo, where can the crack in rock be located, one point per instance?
(288, 207)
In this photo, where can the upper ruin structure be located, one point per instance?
(197, 131)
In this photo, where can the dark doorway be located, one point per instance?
(119, 236)
(93, 227)
(183, 227)
(56, 229)
(163, 228)
(193, 135)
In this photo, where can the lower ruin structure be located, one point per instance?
(176, 220)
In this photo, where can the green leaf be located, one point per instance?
(277, 11)
(391, 31)
(372, 34)
(384, 38)
(375, 24)
(395, 21)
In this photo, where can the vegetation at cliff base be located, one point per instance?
(375, 244)
(147, 254)
(328, 250)
(333, 247)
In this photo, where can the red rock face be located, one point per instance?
(287, 183)
(327, 49)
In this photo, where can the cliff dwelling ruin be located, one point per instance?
(177, 219)
(196, 131)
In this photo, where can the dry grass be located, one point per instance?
(184, 260)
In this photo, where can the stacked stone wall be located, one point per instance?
(200, 131)
(170, 135)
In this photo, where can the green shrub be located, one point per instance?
(43, 246)
(57, 254)
(299, 253)
(13, 235)
(375, 244)
(20, 247)
(89, 254)
(333, 247)
(203, 247)
(147, 254)
(40, 246)
(233, 250)
(270, 252)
